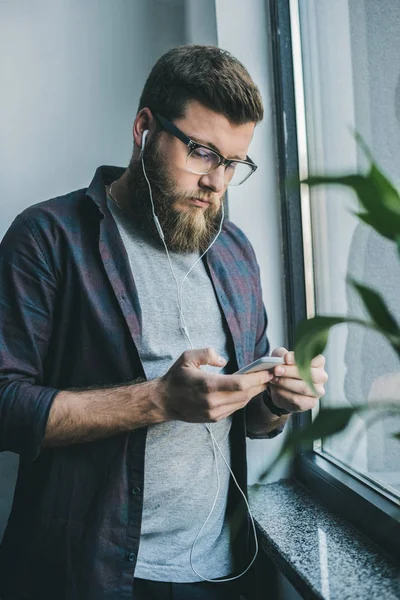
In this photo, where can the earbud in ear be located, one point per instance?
(144, 136)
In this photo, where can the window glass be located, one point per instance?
(350, 55)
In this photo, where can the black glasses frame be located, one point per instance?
(192, 145)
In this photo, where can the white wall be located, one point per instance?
(200, 21)
(72, 72)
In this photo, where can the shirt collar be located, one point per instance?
(103, 176)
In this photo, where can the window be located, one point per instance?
(344, 77)
(351, 78)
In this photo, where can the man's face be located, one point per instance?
(187, 205)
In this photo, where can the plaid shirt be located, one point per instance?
(69, 318)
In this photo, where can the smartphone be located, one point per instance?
(261, 364)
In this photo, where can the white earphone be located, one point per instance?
(186, 332)
(144, 136)
(155, 219)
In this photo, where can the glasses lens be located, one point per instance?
(237, 173)
(202, 160)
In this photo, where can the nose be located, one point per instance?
(215, 180)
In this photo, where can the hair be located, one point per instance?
(205, 73)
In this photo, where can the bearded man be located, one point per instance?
(125, 311)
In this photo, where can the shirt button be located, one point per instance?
(131, 557)
(135, 490)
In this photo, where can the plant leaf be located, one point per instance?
(377, 308)
(311, 339)
(380, 224)
(397, 435)
(328, 422)
(359, 183)
(377, 195)
(388, 194)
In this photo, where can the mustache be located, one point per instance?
(212, 199)
(197, 194)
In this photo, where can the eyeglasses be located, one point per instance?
(202, 159)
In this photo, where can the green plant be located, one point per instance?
(380, 202)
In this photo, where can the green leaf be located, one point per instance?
(359, 183)
(328, 422)
(381, 224)
(311, 339)
(377, 195)
(396, 436)
(389, 196)
(377, 308)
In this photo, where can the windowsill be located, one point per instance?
(321, 554)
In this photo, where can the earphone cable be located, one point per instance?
(208, 426)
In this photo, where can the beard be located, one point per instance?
(189, 230)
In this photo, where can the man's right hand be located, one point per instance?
(188, 393)
(185, 393)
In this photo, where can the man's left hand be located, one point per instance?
(289, 391)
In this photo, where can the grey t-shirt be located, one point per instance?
(180, 480)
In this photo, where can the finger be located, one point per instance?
(279, 352)
(318, 361)
(298, 387)
(287, 371)
(240, 383)
(228, 402)
(289, 358)
(226, 411)
(297, 402)
(318, 375)
(202, 356)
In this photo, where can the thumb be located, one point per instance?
(203, 356)
(287, 356)
(279, 352)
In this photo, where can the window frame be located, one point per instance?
(369, 510)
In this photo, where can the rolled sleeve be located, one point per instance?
(24, 410)
(27, 298)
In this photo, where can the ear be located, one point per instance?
(144, 121)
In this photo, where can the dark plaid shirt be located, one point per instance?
(69, 318)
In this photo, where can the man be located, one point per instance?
(120, 426)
